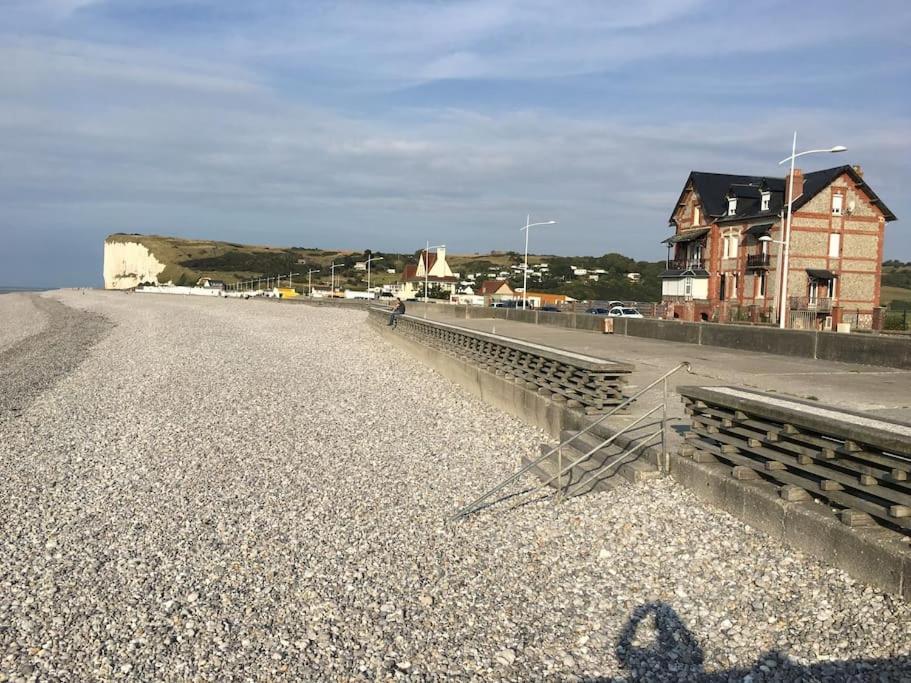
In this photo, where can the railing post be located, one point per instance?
(559, 476)
(665, 455)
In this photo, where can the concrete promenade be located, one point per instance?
(878, 390)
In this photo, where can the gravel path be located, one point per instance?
(243, 490)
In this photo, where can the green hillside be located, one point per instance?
(187, 260)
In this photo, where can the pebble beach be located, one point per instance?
(207, 489)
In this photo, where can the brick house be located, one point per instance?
(723, 258)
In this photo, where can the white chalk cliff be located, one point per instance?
(126, 264)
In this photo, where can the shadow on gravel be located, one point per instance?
(674, 655)
(33, 365)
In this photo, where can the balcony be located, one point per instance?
(804, 303)
(686, 264)
(757, 261)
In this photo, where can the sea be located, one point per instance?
(10, 290)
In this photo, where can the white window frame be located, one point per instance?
(732, 206)
(730, 246)
(766, 198)
(834, 244)
(687, 287)
(837, 204)
(813, 293)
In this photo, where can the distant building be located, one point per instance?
(431, 269)
(634, 277)
(209, 283)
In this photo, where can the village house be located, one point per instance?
(724, 259)
(496, 291)
(431, 269)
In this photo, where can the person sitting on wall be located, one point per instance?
(397, 312)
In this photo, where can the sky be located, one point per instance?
(382, 125)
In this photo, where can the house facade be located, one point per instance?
(431, 269)
(725, 258)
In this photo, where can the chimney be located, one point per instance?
(858, 170)
(798, 185)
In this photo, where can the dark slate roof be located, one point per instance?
(814, 183)
(715, 188)
(759, 230)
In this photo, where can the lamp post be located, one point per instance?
(525, 269)
(332, 277)
(784, 254)
(309, 281)
(427, 271)
(369, 261)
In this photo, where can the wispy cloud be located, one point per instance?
(313, 123)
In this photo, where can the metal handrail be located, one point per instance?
(468, 509)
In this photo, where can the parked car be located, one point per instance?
(620, 312)
(598, 311)
(552, 309)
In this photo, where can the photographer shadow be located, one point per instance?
(675, 654)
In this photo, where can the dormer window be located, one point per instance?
(836, 204)
(766, 197)
(732, 206)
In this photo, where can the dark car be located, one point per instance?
(598, 311)
(552, 309)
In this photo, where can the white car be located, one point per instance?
(620, 312)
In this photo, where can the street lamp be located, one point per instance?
(525, 269)
(427, 271)
(369, 261)
(332, 277)
(309, 281)
(783, 271)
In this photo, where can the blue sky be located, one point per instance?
(383, 124)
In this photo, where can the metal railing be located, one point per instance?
(686, 264)
(476, 504)
(757, 261)
(805, 303)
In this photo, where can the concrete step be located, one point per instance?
(584, 478)
(593, 474)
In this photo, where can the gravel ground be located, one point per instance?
(41, 341)
(243, 490)
(19, 318)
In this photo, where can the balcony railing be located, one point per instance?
(804, 303)
(757, 261)
(686, 264)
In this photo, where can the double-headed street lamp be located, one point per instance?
(332, 277)
(525, 269)
(310, 281)
(784, 252)
(368, 262)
